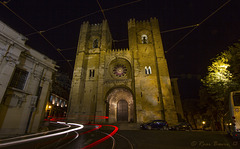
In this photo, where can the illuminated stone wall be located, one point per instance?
(22, 99)
(140, 73)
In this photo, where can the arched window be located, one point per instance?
(51, 99)
(95, 43)
(146, 70)
(54, 100)
(149, 70)
(144, 39)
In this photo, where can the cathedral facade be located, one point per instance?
(125, 85)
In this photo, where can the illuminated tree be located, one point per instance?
(219, 77)
(234, 62)
(223, 77)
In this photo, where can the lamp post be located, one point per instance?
(203, 123)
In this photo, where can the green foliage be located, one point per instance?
(223, 77)
(224, 73)
(218, 77)
(234, 62)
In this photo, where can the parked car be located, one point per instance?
(155, 124)
(182, 126)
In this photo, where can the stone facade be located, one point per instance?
(56, 108)
(177, 99)
(131, 85)
(25, 81)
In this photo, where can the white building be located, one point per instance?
(25, 83)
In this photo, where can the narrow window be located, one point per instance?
(19, 78)
(51, 99)
(90, 73)
(146, 70)
(95, 43)
(149, 70)
(54, 100)
(144, 39)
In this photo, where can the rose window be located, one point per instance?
(120, 70)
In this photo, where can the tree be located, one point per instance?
(218, 77)
(234, 62)
(222, 78)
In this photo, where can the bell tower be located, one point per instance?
(87, 82)
(154, 98)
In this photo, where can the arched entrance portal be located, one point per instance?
(120, 105)
(122, 111)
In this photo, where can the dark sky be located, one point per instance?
(187, 60)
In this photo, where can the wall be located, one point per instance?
(22, 108)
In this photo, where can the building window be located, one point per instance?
(91, 73)
(56, 101)
(120, 70)
(19, 79)
(51, 99)
(148, 70)
(95, 43)
(144, 39)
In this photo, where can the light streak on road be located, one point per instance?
(98, 127)
(42, 137)
(103, 139)
(36, 134)
(129, 142)
(114, 141)
(70, 140)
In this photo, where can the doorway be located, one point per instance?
(122, 110)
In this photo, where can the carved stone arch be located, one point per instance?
(144, 34)
(113, 97)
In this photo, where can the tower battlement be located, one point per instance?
(118, 50)
(142, 21)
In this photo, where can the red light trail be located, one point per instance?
(103, 139)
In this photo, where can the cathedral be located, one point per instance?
(125, 85)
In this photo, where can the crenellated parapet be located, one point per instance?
(84, 26)
(96, 27)
(143, 24)
(154, 19)
(117, 50)
(131, 23)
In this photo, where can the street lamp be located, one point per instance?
(203, 123)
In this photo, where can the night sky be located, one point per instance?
(187, 60)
